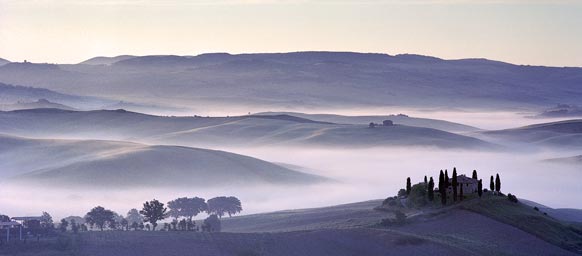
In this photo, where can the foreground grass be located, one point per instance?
(60, 245)
(527, 219)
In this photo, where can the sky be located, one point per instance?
(534, 32)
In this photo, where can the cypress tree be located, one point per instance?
(454, 184)
(441, 181)
(408, 186)
(497, 184)
(447, 182)
(425, 180)
(461, 193)
(492, 184)
(431, 189)
(474, 174)
(480, 188)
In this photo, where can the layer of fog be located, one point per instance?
(361, 175)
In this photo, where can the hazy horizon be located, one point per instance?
(62, 31)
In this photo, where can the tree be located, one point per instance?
(133, 216)
(4, 218)
(113, 224)
(153, 211)
(447, 181)
(124, 224)
(63, 226)
(492, 184)
(425, 180)
(134, 225)
(221, 205)
(372, 125)
(474, 174)
(441, 181)
(431, 189)
(408, 186)
(74, 226)
(497, 184)
(480, 188)
(46, 221)
(401, 192)
(212, 223)
(187, 207)
(455, 184)
(417, 196)
(99, 216)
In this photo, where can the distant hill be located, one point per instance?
(4, 61)
(397, 119)
(112, 164)
(212, 131)
(106, 60)
(309, 80)
(41, 103)
(566, 160)
(14, 94)
(561, 111)
(563, 134)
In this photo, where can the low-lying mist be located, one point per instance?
(361, 174)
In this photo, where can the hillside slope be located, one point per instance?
(562, 134)
(110, 164)
(211, 131)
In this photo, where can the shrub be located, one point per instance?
(401, 192)
(418, 196)
(512, 198)
(536, 208)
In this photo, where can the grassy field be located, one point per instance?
(491, 225)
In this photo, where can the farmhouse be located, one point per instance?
(469, 185)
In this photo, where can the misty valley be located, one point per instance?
(304, 153)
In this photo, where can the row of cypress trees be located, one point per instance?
(445, 182)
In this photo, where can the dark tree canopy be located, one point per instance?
(425, 180)
(441, 181)
(133, 216)
(454, 184)
(212, 223)
(153, 211)
(497, 183)
(187, 207)
(447, 181)
(99, 216)
(480, 188)
(4, 218)
(474, 174)
(461, 193)
(408, 186)
(492, 184)
(431, 189)
(224, 205)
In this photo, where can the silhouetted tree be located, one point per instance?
(425, 180)
(134, 225)
(124, 224)
(221, 205)
(212, 223)
(447, 181)
(492, 184)
(46, 221)
(187, 207)
(474, 174)
(113, 224)
(63, 225)
(431, 189)
(4, 218)
(441, 181)
(372, 125)
(480, 188)
(99, 216)
(153, 211)
(455, 184)
(497, 184)
(408, 186)
(74, 226)
(133, 216)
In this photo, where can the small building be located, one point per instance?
(470, 185)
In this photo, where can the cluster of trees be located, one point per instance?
(444, 183)
(182, 210)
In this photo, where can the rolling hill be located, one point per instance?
(562, 134)
(4, 61)
(106, 60)
(111, 164)
(308, 80)
(41, 103)
(397, 119)
(212, 131)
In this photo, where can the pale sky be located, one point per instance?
(536, 32)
